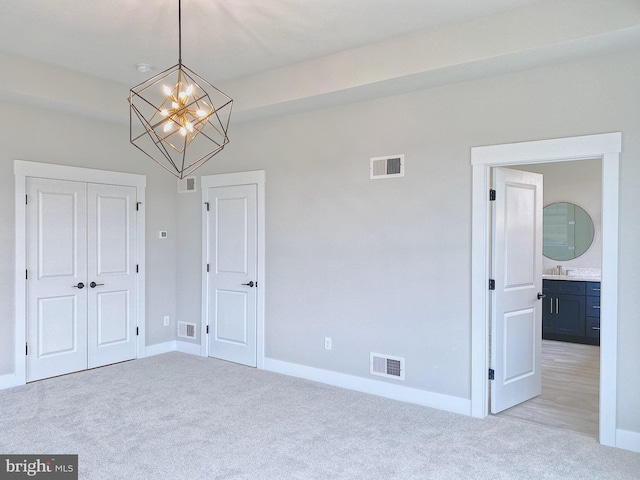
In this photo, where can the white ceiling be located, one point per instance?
(222, 39)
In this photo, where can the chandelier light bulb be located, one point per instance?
(167, 90)
(174, 104)
(183, 131)
(189, 89)
(201, 113)
(164, 112)
(167, 126)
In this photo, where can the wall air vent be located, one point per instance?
(187, 185)
(387, 167)
(186, 330)
(386, 366)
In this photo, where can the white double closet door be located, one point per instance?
(81, 276)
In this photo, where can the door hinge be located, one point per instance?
(492, 284)
(492, 195)
(492, 374)
(26, 274)
(138, 205)
(26, 349)
(207, 268)
(207, 204)
(26, 199)
(137, 268)
(207, 329)
(137, 331)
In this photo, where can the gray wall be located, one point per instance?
(384, 265)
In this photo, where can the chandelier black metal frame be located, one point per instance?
(173, 109)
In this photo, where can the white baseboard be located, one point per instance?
(187, 347)
(374, 387)
(160, 348)
(8, 381)
(628, 440)
(173, 346)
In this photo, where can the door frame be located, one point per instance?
(606, 147)
(23, 169)
(258, 178)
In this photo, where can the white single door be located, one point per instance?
(56, 278)
(111, 274)
(516, 313)
(232, 263)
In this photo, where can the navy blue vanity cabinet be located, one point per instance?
(593, 311)
(570, 311)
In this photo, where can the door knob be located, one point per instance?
(250, 284)
(80, 285)
(541, 295)
(94, 284)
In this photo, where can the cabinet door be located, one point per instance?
(570, 315)
(593, 328)
(593, 307)
(548, 317)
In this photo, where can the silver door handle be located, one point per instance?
(94, 284)
(80, 285)
(557, 305)
(595, 328)
(597, 306)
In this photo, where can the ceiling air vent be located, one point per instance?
(386, 366)
(387, 167)
(187, 184)
(186, 330)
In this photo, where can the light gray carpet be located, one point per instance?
(177, 416)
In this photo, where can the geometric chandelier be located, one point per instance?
(182, 120)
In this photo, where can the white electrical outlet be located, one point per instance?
(166, 320)
(327, 343)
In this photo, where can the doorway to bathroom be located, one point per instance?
(605, 147)
(572, 252)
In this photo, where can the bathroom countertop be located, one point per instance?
(572, 278)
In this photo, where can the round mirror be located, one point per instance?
(567, 231)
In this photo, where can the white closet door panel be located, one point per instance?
(56, 285)
(112, 274)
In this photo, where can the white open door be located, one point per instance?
(56, 278)
(232, 278)
(516, 309)
(111, 274)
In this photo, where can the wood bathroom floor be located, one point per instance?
(570, 389)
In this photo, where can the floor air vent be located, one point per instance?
(186, 330)
(387, 167)
(386, 366)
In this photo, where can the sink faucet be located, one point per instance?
(559, 267)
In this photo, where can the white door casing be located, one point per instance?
(605, 146)
(111, 274)
(23, 170)
(231, 257)
(233, 249)
(516, 314)
(57, 261)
